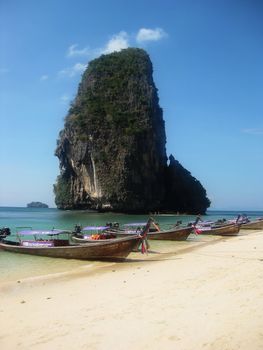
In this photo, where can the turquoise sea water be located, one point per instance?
(19, 266)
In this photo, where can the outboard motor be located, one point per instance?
(178, 223)
(116, 225)
(77, 229)
(5, 231)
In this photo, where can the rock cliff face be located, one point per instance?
(112, 149)
(184, 193)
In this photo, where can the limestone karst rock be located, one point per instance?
(112, 148)
(184, 193)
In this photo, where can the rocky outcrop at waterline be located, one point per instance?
(112, 149)
(184, 193)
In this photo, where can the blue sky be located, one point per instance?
(207, 58)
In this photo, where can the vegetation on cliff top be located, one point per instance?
(117, 95)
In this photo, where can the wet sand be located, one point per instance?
(205, 295)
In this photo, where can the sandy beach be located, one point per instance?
(207, 297)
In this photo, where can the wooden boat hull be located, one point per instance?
(93, 241)
(118, 249)
(253, 225)
(175, 234)
(226, 230)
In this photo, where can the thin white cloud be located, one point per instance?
(4, 70)
(64, 98)
(253, 131)
(73, 51)
(72, 71)
(117, 43)
(146, 34)
(44, 77)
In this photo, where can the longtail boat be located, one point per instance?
(246, 223)
(224, 230)
(173, 234)
(118, 249)
(253, 225)
(106, 235)
(176, 233)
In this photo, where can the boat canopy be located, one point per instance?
(94, 228)
(41, 232)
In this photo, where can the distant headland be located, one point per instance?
(37, 205)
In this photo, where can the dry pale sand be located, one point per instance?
(207, 298)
